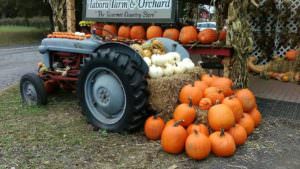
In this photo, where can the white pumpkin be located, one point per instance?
(147, 60)
(153, 73)
(179, 68)
(176, 56)
(169, 70)
(189, 65)
(160, 71)
(187, 60)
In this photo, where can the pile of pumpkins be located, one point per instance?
(231, 116)
(187, 34)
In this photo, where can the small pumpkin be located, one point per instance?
(208, 78)
(201, 85)
(198, 127)
(291, 55)
(197, 146)
(256, 116)
(220, 117)
(170, 123)
(137, 32)
(171, 33)
(173, 138)
(223, 83)
(222, 35)
(124, 32)
(235, 105)
(185, 112)
(214, 94)
(109, 30)
(207, 36)
(188, 34)
(222, 144)
(247, 99)
(239, 134)
(153, 127)
(190, 92)
(154, 32)
(205, 103)
(247, 122)
(98, 27)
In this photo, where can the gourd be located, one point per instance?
(155, 72)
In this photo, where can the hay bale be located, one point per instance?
(164, 91)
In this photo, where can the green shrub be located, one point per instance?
(39, 22)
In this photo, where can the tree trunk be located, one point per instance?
(59, 14)
(71, 20)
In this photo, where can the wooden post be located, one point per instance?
(71, 20)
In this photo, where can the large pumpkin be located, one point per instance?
(124, 32)
(198, 127)
(173, 138)
(223, 83)
(235, 105)
(247, 122)
(222, 144)
(207, 36)
(220, 117)
(291, 55)
(189, 92)
(239, 134)
(208, 78)
(256, 116)
(205, 104)
(137, 32)
(154, 32)
(247, 99)
(214, 94)
(153, 127)
(171, 33)
(109, 30)
(188, 34)
(201, 85)
(197, 146)
(185, 112)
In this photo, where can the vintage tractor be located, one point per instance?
(108, 76)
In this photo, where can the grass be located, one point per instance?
(57, 136)
(20, 35)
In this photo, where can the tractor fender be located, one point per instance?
(126, 50)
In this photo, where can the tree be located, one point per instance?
(58, 14)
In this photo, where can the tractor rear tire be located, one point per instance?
(32, 90)
(112, 91)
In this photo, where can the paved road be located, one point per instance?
(16, 61)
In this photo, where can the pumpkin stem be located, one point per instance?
(210, 72)
(190, 101)
(231, 97)
(156, 115)
(178, 122)
(222, 132)
(218, 102)
(196, 132)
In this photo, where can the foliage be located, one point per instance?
(86, 23)
(39, 22)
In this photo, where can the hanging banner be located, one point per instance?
(130, 11)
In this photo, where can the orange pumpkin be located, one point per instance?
(188, 34)
(173, 138)
(214, 94)
(291, 55)
(198, 127)
(153, 127)
(124, 32)
(220, 117)
(223, 83)
(170, 123)
(205, 103)
(222, 35)
(137, 32)
(197, 146)
(185, 112)
(207, 36)
(109, 30)
(235, 105)
(98, 27)
(256, 116)
(190, 92)
(222, 144)
(154, 32)
(239, 134)
(201, 85)
(171, 33)
(247, 122)
(208, 78)
(247, 99)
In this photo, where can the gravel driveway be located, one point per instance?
(16, 61)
